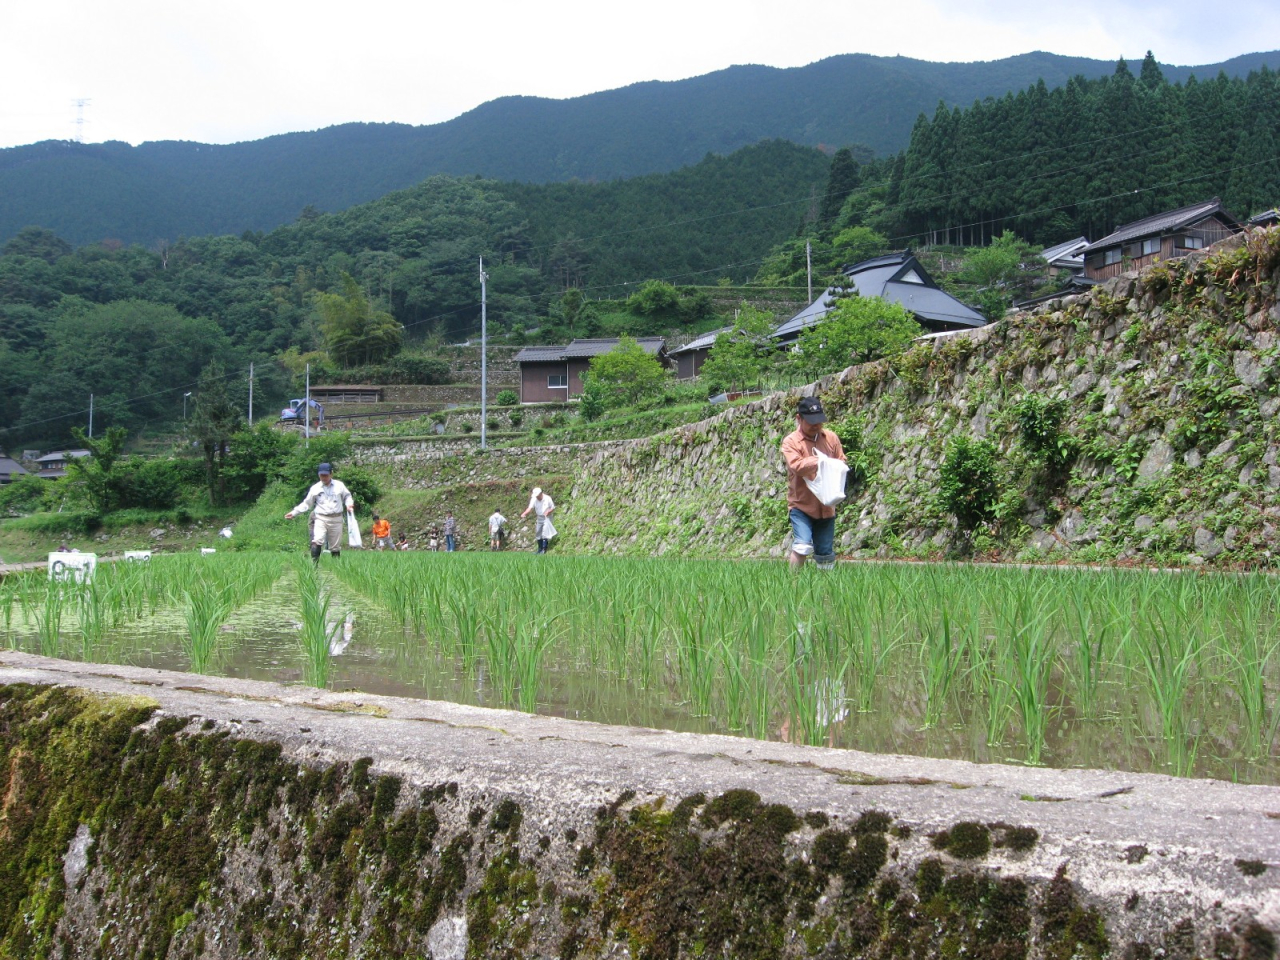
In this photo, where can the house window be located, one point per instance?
(1150, 246)
(1110, 256)
(1190, 243)
(557, 380)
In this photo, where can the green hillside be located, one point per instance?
(88, 192)
(124, 322)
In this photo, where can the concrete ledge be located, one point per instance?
(560, 838)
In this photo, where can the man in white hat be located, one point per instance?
(329, 497)
(542, 507)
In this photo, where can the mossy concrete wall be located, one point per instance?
(146, 814)
(1170, 390)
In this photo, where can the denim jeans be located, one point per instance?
(811, 534)
(450, 543)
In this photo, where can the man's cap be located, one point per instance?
(537, 491)
(810, 408)
(325, 468)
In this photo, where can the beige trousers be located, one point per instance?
(326, 530)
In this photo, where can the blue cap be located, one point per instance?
(324, 468)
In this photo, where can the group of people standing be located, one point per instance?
(812, 521)
(329, 499)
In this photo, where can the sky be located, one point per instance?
(234, 70)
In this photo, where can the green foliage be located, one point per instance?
(741, 355)
(969, 481)
(354, 332)
(213, 421)
(507, 398)
(855, 244)
(255, 458)
(24, 494)
(132, 355)
(626, 374)
(152, 484)
(1039, 422)
(591, 405)
(857, 330)
(92, 474)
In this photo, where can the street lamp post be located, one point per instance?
(184, 404)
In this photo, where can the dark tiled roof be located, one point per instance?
(533, 354)
(11, 467)
(581, 349)
(884, 277)
(1161, 223)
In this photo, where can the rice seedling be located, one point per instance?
(48, 616)
(316, 633)
(207, 607)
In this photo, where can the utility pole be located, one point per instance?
(484, 368)
(251, 394)
(91, 416)
(808, 267)
(306, 412)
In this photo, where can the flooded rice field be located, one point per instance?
(1139, 671)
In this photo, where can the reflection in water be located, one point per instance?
(375, 653)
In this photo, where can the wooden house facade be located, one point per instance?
(1163, 236)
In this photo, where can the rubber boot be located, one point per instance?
(315, 552)
(335, 554)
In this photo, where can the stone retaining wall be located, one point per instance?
(158, 814)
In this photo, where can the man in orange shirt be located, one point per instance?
(381, 533)
(813, 525)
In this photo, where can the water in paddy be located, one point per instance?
(372, 652)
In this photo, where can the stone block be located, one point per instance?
(1158, 459)
(1207, 544)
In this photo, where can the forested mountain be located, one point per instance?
(125, 322)
(89, 192)
(1082, 158)
(1048, 165)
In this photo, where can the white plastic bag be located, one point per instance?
(548, 529)
(828, 485)
(353, 532)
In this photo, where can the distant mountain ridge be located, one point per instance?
(166, 189)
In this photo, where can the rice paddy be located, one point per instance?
(1144, 671)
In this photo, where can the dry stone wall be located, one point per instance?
(1168, 388)
(1167, 382)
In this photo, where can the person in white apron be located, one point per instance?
(541, 506)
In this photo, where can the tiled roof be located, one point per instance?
(1161, 223)
(59, 455)
(11, 467)
(580, 349)
(1066, 252)
(704, 342)
(882, 277)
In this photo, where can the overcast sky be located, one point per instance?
(237, 70)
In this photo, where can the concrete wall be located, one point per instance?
(158, 814)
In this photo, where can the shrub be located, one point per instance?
(515, 417)
(626, 374)
(1039, 422)
(507, 398)
(24, 495)
(467, 427)
(969, 487)
(857, 330)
